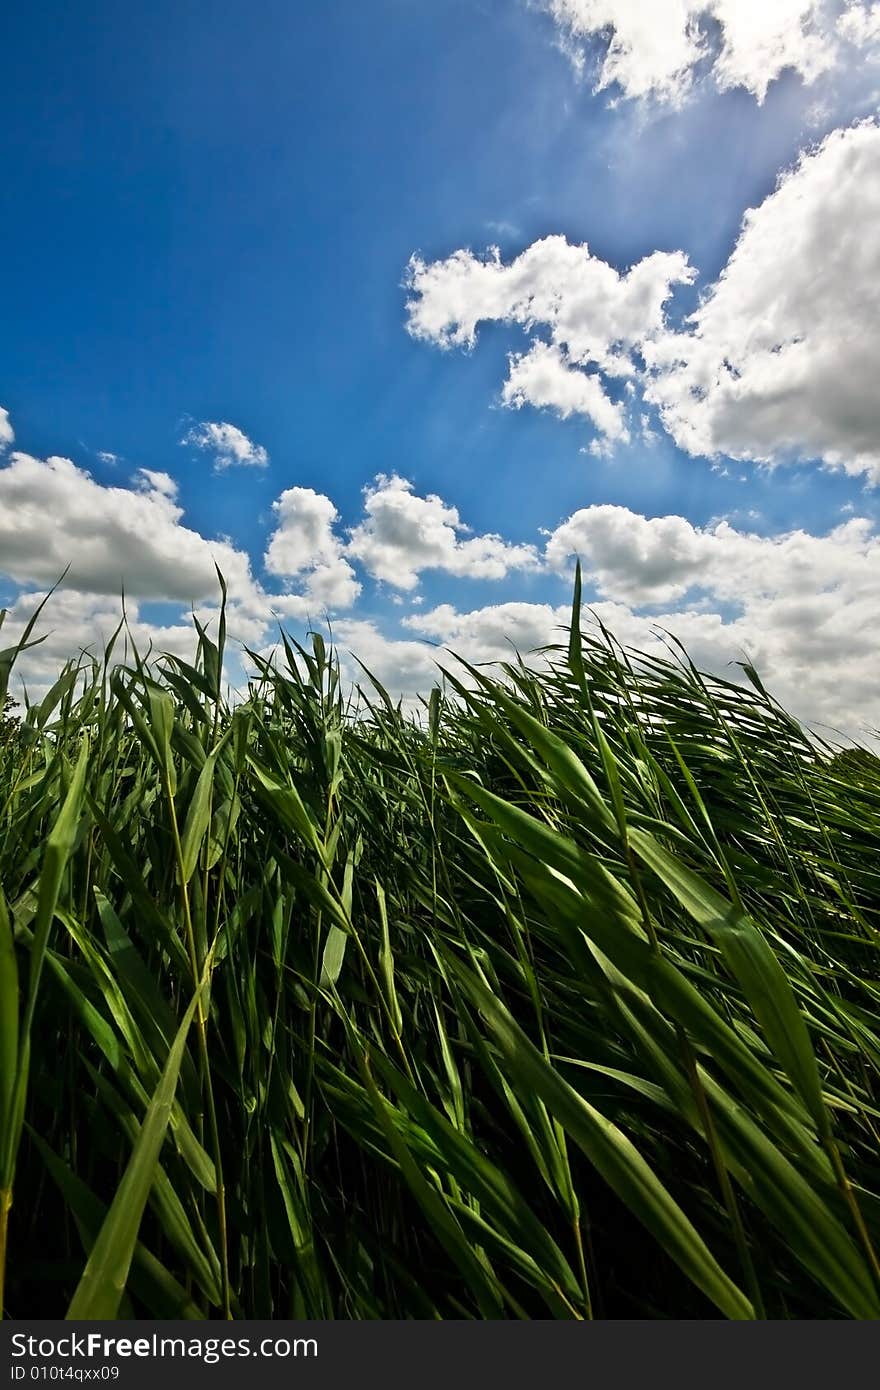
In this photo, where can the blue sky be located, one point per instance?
(209, 217)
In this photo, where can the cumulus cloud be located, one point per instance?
(78, 624)
(781, 359)
(656, 560)
(630, 556)
(493, 633)
(53, 514)
(541, 377)
(75, 622)
(597, 318)
(229, 445)
(800, 606)
(305, 533)
(822, 669)
(657, 50)
(802, 603)
(305, 542)
(860, 23)
(777, 363)
(403, 534)
(7, 434)
(594, 312)
(407, 669)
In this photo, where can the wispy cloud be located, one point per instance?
(658, 51)
(507, 231)
(229, 445)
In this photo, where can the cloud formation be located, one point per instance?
(596, 318)
(229, 445)
(777, 364)
(403, 534)
(782, 357)
(543, 378)
(659, 50)
(53, 515)
(860, 23)
(7, 434)
(813, 647)
(801, 606)
(656, 560)
(305, 542)
(74, 622)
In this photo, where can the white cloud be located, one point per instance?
(800, 606)
(409, 667)
(304, 535)
(53, 514)
(305, 542)
(149, 480)
(541, 377)
(595, 313)
(73, 622)
(651, 50)
(630, 556)
(802, 603)
(403, 534)
(597, 317)
(493, 633)
(815, 650)
(405, 668)
(807, 653)
(229, 445)
(331, 587)
(782, 357)
(657, 50)
(779, 362)
(7, 434)
(860, 23)
(642, 560)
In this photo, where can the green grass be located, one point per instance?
(560, 1001)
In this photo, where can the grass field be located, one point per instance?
(561, 1001)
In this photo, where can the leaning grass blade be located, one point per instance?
(614, 1156)
(754, 966)
(104, 1278)
(9, 1007)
